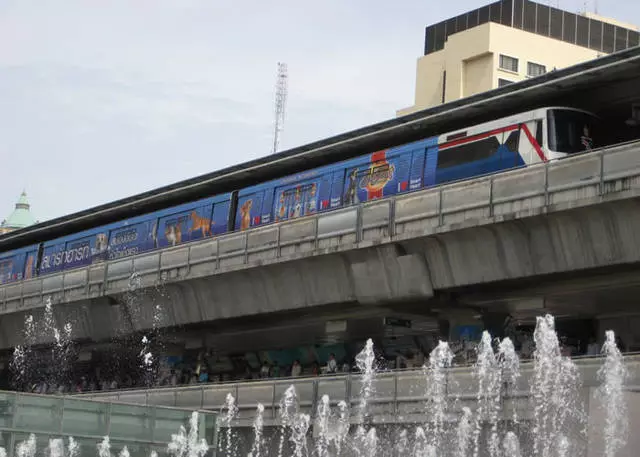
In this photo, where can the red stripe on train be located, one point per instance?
(480, 136)
(534, 143)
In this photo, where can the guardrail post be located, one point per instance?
(395, 394)
(392, 217)
(440, 213)
(278, 250)
(273, 396)
(246, 248)
(546, 184)
(314, 403)
(359, 228)
(491, 196)
(217, 254)
(601, 173)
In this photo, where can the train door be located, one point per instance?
(430, 166)
(531, 142)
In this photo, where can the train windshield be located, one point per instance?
(571, 131)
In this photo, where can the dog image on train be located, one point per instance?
(173, 233)
(200, 223)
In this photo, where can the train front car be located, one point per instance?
(570, 131)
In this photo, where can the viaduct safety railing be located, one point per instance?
(398, 393)
(535, 187)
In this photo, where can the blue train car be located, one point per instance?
(363, 178)
(168, 227)
(18, 265)
(479, 150)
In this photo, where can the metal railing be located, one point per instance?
(397, 392)
(488, 198)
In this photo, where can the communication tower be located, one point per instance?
(280, 103)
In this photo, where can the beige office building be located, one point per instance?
(506, 42)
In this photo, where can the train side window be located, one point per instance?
(468, 152)
(512, 141)
(539, 138)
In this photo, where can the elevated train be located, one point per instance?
(523, 139)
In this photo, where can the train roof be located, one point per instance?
(564, 87)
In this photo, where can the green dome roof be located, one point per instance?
(21, 216)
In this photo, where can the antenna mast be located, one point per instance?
(280, 103)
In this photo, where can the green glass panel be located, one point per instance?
(85, 418)
(38, 413)
(7, 404)
(131, 422)
(168, 422)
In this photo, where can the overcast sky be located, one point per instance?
(103, 100)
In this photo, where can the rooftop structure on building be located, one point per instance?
(508, 41)
(21, 216)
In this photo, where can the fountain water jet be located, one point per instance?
(554, 391)
(226, 420)
(613, 375)
(187, 444)
(437, 398)
(27, 448)
(258, 424)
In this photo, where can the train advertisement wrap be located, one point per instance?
(517, 140)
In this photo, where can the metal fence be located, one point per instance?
(419, 213)
(394, 393)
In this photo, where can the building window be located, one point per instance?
(508, 63)
(534, 69)
(504, 82)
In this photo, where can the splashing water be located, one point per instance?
(146, 361)
(104, 447)
(124, 452)
(324, 416)
(365, 361)
(27, 448)
(420, 443)
(73, 447)
(226, 419)
(287, 413)
(258, 425)
(22, 355)
(185, 444)
(371, 443)
(463, 433)
(610, 393)
(402, 442)
(563, 446)
(62, 343)
(299, 430)
(509, 364)
(487, 374)
(554, 390)
(511, 445)
(3, 452)
(437, 402)
(342, 426)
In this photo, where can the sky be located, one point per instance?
(103, 100)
